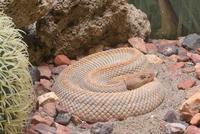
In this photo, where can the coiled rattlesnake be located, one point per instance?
(84, 87)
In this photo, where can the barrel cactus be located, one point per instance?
(16, 94)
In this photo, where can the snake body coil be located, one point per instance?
(84, 87)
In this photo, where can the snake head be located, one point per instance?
(133, 81)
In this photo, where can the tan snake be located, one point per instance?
(84, 87)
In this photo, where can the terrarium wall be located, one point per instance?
(170, 18)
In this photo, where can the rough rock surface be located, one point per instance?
(25, 12)
(74, 26)
(192, 41)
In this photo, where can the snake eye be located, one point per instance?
(142, 76)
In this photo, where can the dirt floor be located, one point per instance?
(152, 123)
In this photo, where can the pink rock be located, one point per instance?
(31, 131)
(39, 118)
(176, 66)
(195, 119)
(60, 108)
(186, 84)
(194, 57)
(180, 41)
(151, 48)
(47, 97)
(60, 129)
(46, 84)
(163, 42)
(138, 43)
(62, 60)
(44, 129)
(50, 108)
(183, 58)
(197, 70)
(190, 107)
(173, 58)
(39, 89)
(45, 71)
(154, 59)
(192, 130)
(198, 50)
(85, 125)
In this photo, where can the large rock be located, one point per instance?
(190, 107)
(74, 26)
(25, 12)
(192, 41)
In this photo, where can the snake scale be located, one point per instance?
(84, 87)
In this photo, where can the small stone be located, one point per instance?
(45, 71)
(194, 57)
(195, 119)
(44, 129)
(191, 41)
(188, 69)
(176, 66)
(192, 130)
(189, 63)
(50, 108)
(60, 108)
(164, 42)
(58, 69)
(35, 73)
(197, 70)
(198, 50)
(62, 60)
(46, 84)
(63, 118)
(190, 107)
(183, 58)
(186, 84)
(154, 59)
(39, 118)
(85, 125)
(180, 41)
(182, 51)
(151, 48)
(175, 128)
(101, 128)
(31, 131)
(60, 129)
(48, 96)
(170, 117)
(39, 89)
(168, 50)
(174, 58)
(138, 43)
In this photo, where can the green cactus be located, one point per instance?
(16, 94)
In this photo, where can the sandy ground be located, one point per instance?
(152, 123)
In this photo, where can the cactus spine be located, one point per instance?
(16, 94)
